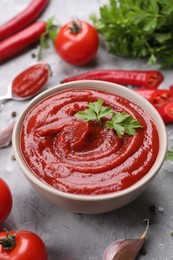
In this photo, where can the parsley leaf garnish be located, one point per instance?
(95, 111)
(121, 122)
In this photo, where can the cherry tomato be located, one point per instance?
(5, 201)
(22, 245)
(77, 42)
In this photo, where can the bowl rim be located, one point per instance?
(92, 84)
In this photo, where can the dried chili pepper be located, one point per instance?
(19, 41)
(23, 19)
(147, 79)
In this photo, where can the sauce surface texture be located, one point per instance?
(83, 157)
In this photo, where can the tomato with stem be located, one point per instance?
(77, 42)
(21, 245)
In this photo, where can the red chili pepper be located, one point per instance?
(166, 118)
(160, 99)
(19, 41)
(168, 112)
(147, 79)
(145, 92)
(171, 89)
(31, 80)
(23, 19)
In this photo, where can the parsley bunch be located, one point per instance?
(138, 29)
(121, 122)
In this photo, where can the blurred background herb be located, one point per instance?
(138, 29)
(169, 155)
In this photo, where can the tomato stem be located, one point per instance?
(76, 27)
(8, 242)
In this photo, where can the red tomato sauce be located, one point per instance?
(30, 81)
(83, 157)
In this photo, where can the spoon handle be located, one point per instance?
(7, 96)
(4, 98)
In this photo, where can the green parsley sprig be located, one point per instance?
(95, 111)
(121, 122)
(138, 29)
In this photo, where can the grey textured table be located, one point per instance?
(71, 236)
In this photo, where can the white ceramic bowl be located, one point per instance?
(94, 203)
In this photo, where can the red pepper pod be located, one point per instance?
(19, 41)
(31, 80)
(147, 79)
(161, 97)
(168, 113)
(146, 93)
(171, 89)
(23, 19)
(162, 100)
(165, 115)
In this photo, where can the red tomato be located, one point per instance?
(5, 201)
(25, 245)
(77, 42)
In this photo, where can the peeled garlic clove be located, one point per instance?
(6, 134)
(125, 249)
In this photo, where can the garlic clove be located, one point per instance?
(125, 249)
(6, 134)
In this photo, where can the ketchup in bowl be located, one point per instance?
(81, 157)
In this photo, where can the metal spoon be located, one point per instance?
(24, 77)
(9, 95)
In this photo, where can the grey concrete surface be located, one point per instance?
(71, 236)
